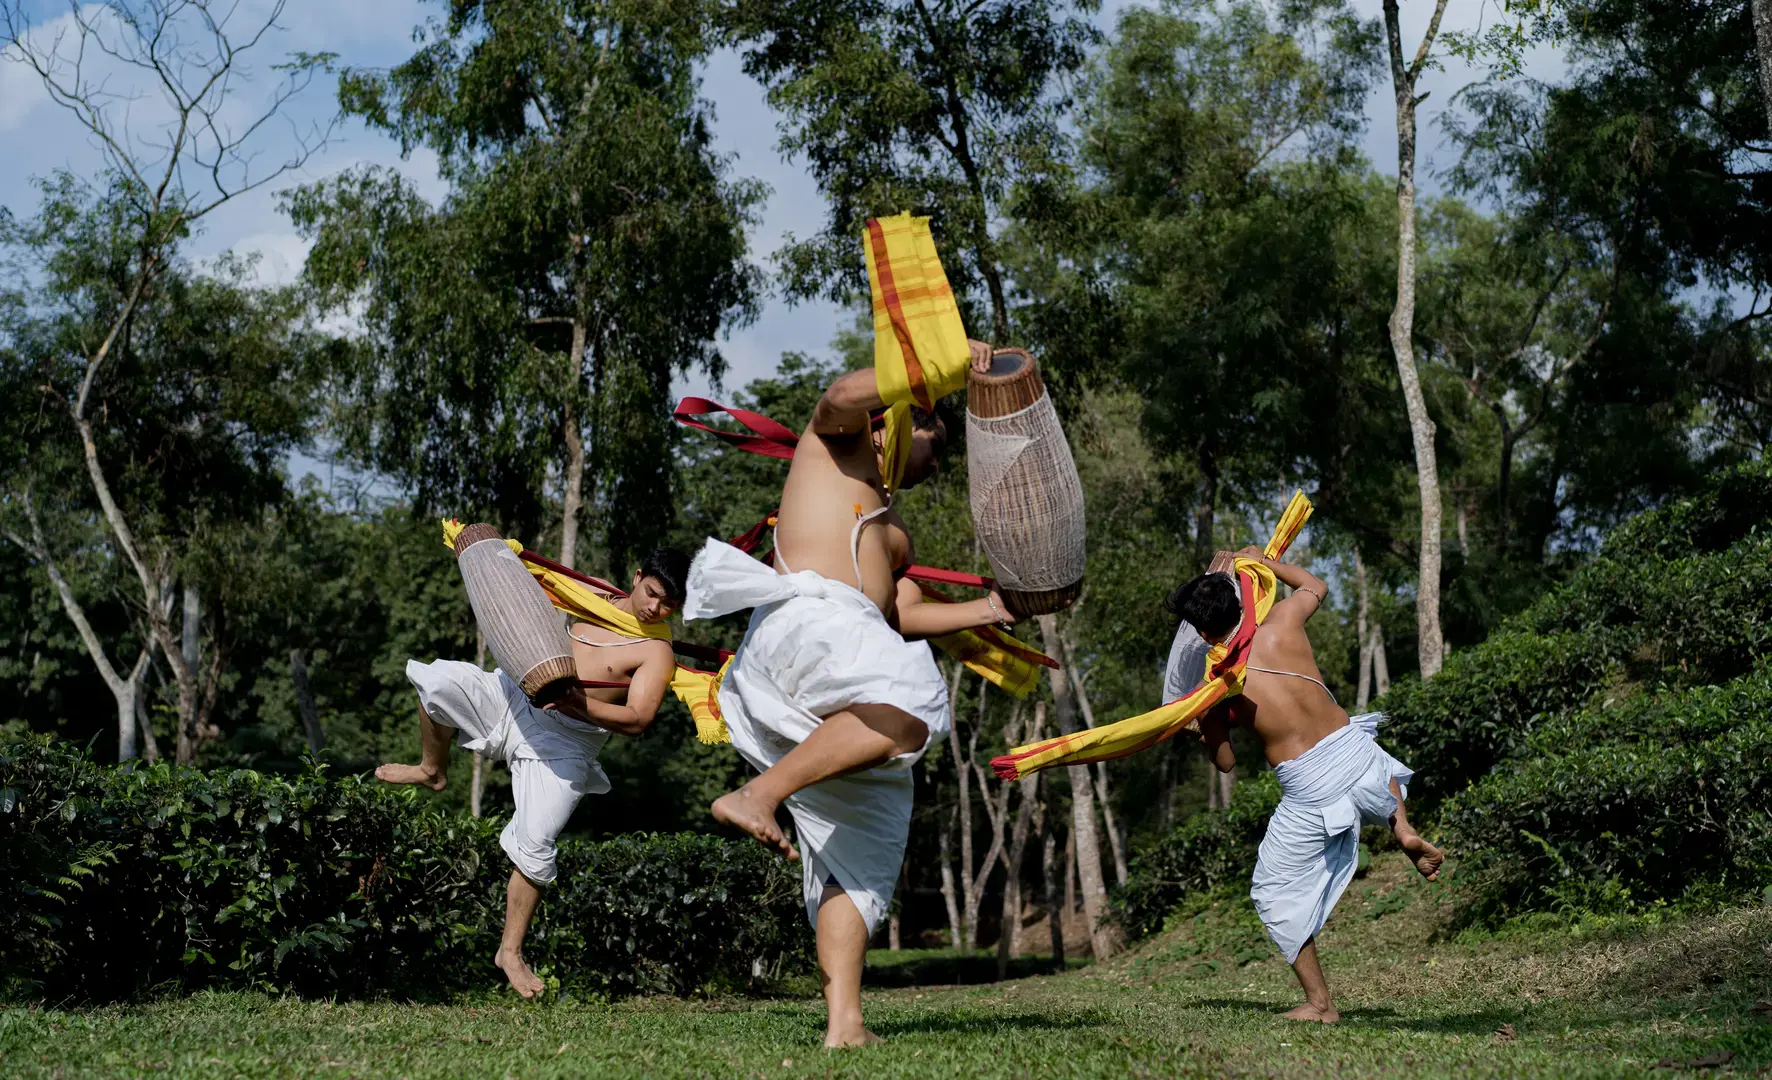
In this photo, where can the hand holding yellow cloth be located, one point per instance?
(1137, 733)
(920, 352)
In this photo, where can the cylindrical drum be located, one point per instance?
(1027, 503)
(526, 635)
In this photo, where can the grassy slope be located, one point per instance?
(1595, 1000)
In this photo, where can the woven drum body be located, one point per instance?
(1027, 503)
(520, 625)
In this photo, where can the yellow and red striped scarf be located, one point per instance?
(1224, 676)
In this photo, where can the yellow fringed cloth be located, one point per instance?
(1224, 676)
(920, 353)
(574, 594)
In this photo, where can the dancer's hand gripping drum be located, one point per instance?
(520, 625)
(1027, 503)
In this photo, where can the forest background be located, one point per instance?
(223, 467)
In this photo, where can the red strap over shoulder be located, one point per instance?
(767, 437)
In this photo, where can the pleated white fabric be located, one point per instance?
(816, 647)
(1310, 852)
(553, 759)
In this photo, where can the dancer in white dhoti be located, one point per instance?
(552, 752)
(826, 696)
(1334, 776)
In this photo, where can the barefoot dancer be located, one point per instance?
(552, 752)
(825, 696)
(1333, 774)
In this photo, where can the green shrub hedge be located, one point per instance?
(1619, 808)
(119, 882)
(1205, 851)
(1624, 626)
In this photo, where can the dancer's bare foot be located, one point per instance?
(523, 981)
(1426, 857)
(1313, 1014)
(743, 810)
(427, 775)
(846, 1037)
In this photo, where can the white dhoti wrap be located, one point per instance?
(553, 759)
(1310, 851)
(816, 647)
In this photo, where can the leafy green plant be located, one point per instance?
(120, 881)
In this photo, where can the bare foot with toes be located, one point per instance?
(1426, 857)
(742, 810)
(1313, 1014)
(425, 775)
(847, 1039)
(523, 980)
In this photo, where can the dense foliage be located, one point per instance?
(1209, 850)
(120, 882)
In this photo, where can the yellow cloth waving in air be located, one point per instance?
(920, 352)
(1224, 676)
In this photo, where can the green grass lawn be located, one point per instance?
(1602, 999)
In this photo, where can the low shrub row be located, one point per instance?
(1616, 809)
(1615, 629)
(118, 882)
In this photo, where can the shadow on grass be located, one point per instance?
(945, 967)
(1471, 1023)
(983, 1025)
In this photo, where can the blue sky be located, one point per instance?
(39, 138)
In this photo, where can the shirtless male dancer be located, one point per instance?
(1332, 773)
(552, 751)
(830, 696)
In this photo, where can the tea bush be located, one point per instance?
(118, 882)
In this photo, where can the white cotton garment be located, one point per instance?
(553, 758)
(1186, 668)
(1310, 852)
(816, 647)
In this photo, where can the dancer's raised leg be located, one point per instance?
(857, 738)
(1426, 857)
(433, 768)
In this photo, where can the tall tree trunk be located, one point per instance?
(1054, 894)
(1206, 510)
(304, 701)
(895, 920)
(571, 498)
(1099, 773)
(1009, 938)
(1402, 330)
(125, 690)
(1381, 670)
(1362, 627)
(184, 666)
(1169, 764)
(1088, 838)
(477, 779)
(1464, 539)
(150, 746)
(949, 890)
(963, 782)
(1763, 49)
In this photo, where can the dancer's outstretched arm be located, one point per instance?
(918, 619)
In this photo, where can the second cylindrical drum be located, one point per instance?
(526, 635)
(1027, 503)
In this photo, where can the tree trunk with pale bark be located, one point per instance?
(1763, 51)
(304, 701)
(1083, 826)
(1402, 331)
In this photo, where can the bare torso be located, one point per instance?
(1289, 713)
(830, 477)
(614, 658)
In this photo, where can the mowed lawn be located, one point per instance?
(1605, 999)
